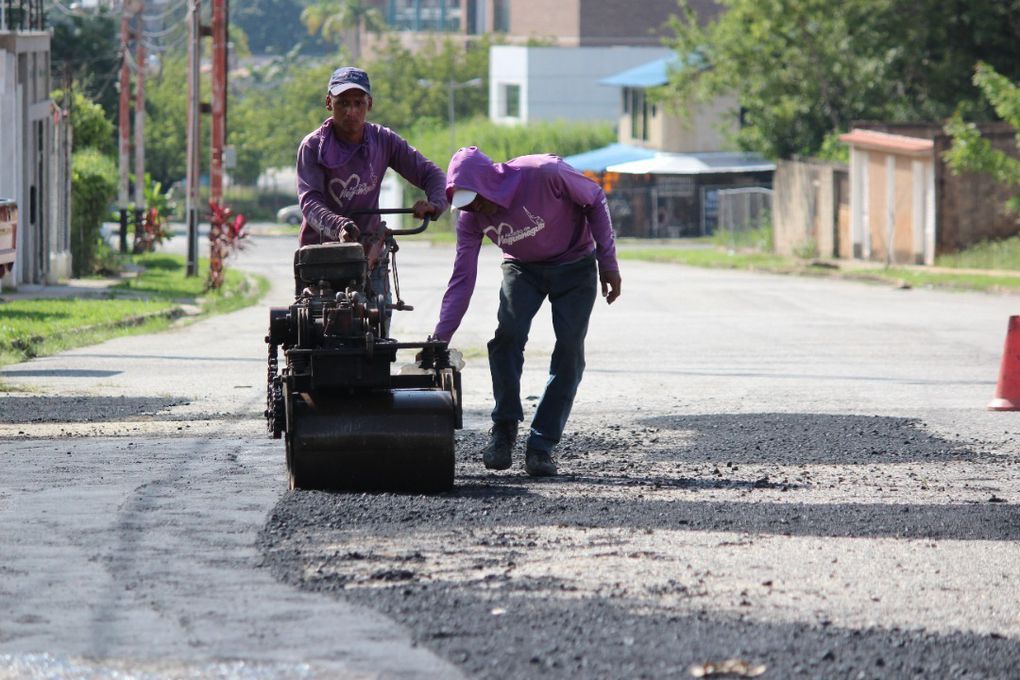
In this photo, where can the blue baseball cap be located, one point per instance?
(347, 78)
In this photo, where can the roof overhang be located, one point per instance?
(715, 163)
(872, 140)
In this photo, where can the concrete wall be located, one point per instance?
(561, 83)
(811, 209)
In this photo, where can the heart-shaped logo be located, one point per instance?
(344, 190)
(497, 233)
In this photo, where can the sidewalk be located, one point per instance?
(71, 288)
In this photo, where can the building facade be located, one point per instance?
(529, 84)
(562, 23)
(34, 137)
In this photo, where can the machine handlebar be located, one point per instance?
(395, 211)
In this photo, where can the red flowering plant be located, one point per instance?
(153, 228)
(226, 236)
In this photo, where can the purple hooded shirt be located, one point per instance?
(334, 177)
(549, 213)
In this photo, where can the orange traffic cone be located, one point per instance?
(1007, 392)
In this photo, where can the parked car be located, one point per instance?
(290, 214)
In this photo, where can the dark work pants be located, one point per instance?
(571, 289)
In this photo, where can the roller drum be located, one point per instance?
(396, 440)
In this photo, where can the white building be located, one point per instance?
(32, 139)
(528, 84)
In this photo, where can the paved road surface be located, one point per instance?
(795, 472)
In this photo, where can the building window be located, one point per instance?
(501, 16)
(511, 101)
(424, 15)
(638, 115)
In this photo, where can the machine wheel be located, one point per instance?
(297, 477)
(398, 441)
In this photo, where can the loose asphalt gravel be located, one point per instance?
(798, 474)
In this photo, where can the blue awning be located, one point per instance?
(652, 74)
(597, 160)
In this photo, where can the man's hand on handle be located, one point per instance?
(423, 208)
(610, 285)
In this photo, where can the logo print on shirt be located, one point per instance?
(504, 234)
(343, 191)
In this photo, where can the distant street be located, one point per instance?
(797, 473)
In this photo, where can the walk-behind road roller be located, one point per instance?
(348, 419)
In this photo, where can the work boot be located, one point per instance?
(539, 463)
(497, 455)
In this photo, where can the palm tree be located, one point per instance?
(333, 18)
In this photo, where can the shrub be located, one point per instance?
(93, 186)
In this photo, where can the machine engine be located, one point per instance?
(347, 419)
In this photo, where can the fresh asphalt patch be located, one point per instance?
(668, 544)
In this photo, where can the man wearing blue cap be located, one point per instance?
(340, 167)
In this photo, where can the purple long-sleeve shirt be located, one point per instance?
(335, 177)
(549, 213)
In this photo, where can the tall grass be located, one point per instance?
(1004, 254)
(503, 142)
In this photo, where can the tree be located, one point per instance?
(802, 69)
(413, 87)
(84, 55)
(970, 151)
(333, 18)
(166, 121)
(274, 27)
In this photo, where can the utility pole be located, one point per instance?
(139, 117)
(194, 128)
(123, 147)
(219, 99)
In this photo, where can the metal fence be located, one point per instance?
(744, 210)
(22, 15)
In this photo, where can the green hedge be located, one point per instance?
(93, 186)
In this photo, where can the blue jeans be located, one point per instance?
(571, 289)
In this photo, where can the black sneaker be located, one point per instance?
(539, 463)
(497, 455)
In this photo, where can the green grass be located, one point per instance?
(709, 257)
(959, 281)
(145, 304)
(1000, 258)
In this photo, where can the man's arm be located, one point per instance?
(318, 215)
(422, 173)
(462, 281)
(595, 207)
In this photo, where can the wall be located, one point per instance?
(811, 209)
(590, 23)
(559, 20)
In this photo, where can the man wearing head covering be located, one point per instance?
(340, 167)
(552, 224)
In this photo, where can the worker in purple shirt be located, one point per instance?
(552, 224)
(340, 167)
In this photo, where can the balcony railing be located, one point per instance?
(22, 15)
